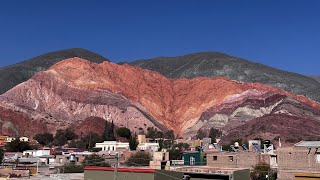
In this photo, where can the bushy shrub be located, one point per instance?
(71, 168)
(261, 171)
(139, 159)
(95, 160)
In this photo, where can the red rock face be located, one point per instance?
(74, 89)
(90, 124)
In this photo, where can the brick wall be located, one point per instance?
(296, 160)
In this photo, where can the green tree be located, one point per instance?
(160, 144)
(213, 134)
(175, 154)
(124, 132)
(169, 135)
(95, 160)
(108, 134)
(17, 146)
(63, 136)
(1, 155)
(44, 139)
(133, 143)
(72, 168)
(70, 135)
(200, 134)
(151, 132)
(139, 159)
(87, 142)
(261, 171)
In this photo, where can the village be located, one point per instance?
(156, 155)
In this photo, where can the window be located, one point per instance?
(215, 158)
(230, 158)
(318, 157)
(192, 160)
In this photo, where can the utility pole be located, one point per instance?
(115, 174)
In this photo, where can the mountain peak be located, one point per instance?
(20, 72)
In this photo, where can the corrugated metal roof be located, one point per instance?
(309, 144)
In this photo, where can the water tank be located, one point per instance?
(236, 144)
(72, 158)
(211, 146)
(268, 142)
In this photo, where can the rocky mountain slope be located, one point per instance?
(317, 78)
(215, 64)
(73, 90)
(15, 74)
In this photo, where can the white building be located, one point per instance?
(24, 139)
(149, 146)
(112, 145)
(37, 153)
(9, 139)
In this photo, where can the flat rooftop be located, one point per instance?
(207, 170)
(308, 144)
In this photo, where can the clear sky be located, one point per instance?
(281, 33)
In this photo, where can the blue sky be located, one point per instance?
(282, 34)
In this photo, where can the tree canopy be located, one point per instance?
(63, 136)
(17, 146)
(139, 159)
(214, 133)
(133, 143)
(124, 132)
(44, 139)
(109, 132)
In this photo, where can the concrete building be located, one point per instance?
(148, 146)
(160, 160)
(303, 159)
(194, 158)
(102, 173)
(38, 153)
(205, 143)
(112, 145)
(204, 172)
(25, 139)
(142, 138)
(240, 159)
(6, 139)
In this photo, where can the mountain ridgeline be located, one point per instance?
(316, 77)
(13, 75)
(79, 89)
(215, 64)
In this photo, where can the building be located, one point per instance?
(196, 173)
(6, 139)
(9, 139)
(301, 160)
(206, 142)
(148, 146)
(194, 158)
(142, 138)
(242, 159)
(160, 160)
(112, 145)
(25, 139)
(204, 172)
(38, 153)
